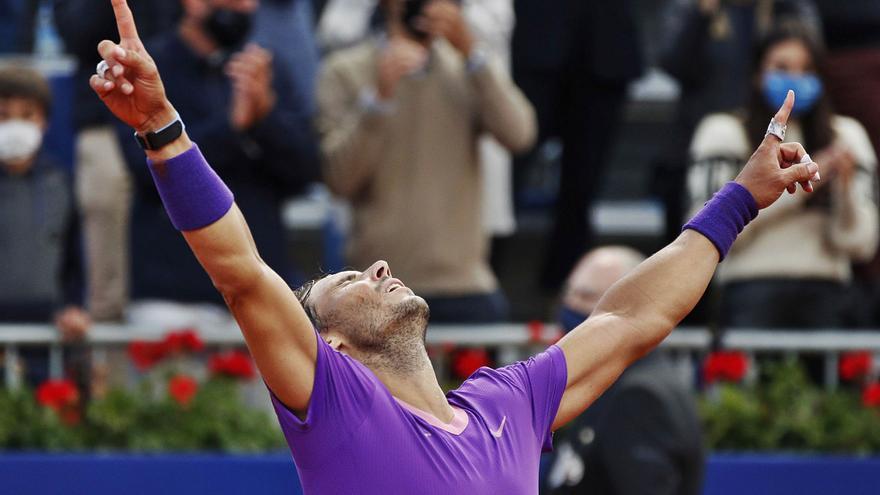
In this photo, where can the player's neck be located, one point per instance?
(416, 384)
(422, 391)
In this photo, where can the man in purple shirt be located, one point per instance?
(358, 399)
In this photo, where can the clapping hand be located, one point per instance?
(443, 19)
(400, 58)
(250, 72)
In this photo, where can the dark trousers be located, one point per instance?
(787, 304)
(475, 308)
(784, 304)
(585, 115)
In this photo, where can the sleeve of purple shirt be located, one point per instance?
(529, 391)
(542, 379)
(342, 396)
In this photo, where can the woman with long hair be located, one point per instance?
(791, 267)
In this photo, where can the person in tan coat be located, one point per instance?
(400, 118)
(792, 267)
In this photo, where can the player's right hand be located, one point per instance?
(131, 87)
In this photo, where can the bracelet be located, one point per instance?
(724, 216)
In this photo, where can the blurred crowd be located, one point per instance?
(426, 117)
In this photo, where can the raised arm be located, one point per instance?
(639, 311)
(276, 328)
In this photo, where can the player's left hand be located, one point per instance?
(443, 18)
(776, 167)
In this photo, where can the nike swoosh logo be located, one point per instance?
(497, 433)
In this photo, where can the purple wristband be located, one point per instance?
(724, 216)
(193, 194)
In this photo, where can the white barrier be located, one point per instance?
(511, 340)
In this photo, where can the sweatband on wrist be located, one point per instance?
(193, 194)
(724, 216)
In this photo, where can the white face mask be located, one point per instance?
(19, 139)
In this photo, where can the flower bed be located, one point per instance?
(169, 410)
(783, 411)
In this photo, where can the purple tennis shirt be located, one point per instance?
(359, 439)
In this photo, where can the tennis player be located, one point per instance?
(357, 399)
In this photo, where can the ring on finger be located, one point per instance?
(102, 68)
(777, 129)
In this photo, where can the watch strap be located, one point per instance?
(155, 140)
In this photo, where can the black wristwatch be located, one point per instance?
(158, 139)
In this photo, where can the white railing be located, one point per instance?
(511, 340)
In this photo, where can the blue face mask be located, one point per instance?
(807, 90)
(570, 318)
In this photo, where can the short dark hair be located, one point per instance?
(24, 82)
(302, 295)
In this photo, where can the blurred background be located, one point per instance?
(510, 159)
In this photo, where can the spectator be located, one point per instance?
(491, 21)
(708, 52)
(240, 106)
(103, 183)
(39, 259)
(791, 266)
(574, 59)
(401, 115)
(642, 435)
(853, 78)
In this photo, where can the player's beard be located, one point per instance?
(393, 340)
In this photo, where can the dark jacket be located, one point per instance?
(40, 258)
(850, 23)
(642, 436)
(596, 36)
(276, 159)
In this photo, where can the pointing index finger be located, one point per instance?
(124, 21)
(785, 110)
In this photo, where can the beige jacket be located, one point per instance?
(791, 238)
(411, 171)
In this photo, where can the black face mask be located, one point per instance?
(228, 27)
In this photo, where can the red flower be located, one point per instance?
(234, 363)
(182, 389)
(146, 354)
(871, 395)
(855, 365)
(56, 394)
(728, 366)
(62, 397)
(467, 361)
(186, 340)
